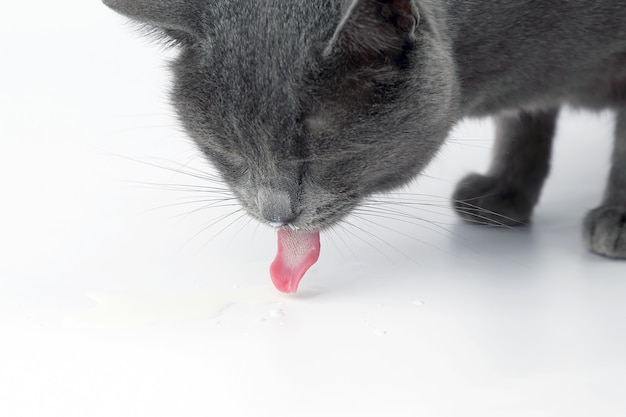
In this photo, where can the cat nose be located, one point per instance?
(275, 207)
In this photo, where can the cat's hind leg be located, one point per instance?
(604, 228)
(507, 194)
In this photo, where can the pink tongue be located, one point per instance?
(297, 252)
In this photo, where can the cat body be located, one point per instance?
(533, 54)
(309, 107)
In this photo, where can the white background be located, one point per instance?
(121, 298)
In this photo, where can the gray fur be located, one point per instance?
(308, 107)
(507, 194)
(177, 15)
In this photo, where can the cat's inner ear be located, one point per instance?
(375, 27)
(170, 15)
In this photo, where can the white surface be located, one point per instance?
(113, 306)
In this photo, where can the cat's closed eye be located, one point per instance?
(230, 165)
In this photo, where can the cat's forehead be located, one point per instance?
(258, 65)
(271, 39)
(267, 83)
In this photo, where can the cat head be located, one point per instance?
(306, 108)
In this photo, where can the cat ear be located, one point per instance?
(177, 15)
(375, 27)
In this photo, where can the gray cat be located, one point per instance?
(307, 107)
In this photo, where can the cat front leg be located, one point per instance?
(604, 228)
(507, 194)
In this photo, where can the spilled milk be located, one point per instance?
(127, 309)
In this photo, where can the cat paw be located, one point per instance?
(604, 231)
(481, 199)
